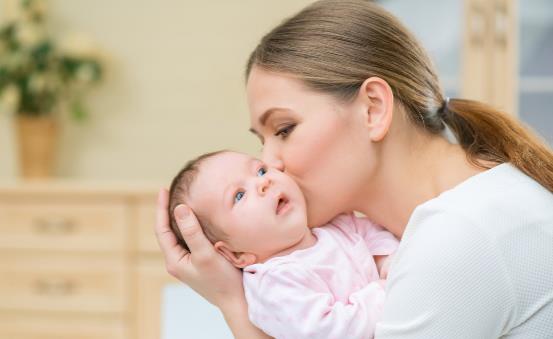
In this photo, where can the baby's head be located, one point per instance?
(248, 211)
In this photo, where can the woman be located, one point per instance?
(346, 101)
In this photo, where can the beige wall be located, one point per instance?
(174, 88)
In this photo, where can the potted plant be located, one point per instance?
(38, 77)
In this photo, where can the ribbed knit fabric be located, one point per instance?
(475, 262)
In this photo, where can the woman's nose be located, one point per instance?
(271, 158)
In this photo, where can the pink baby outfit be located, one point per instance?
(329, 290)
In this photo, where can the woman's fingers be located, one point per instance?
(192, 233)
(165, 237)
(203, 269)
(167, 241)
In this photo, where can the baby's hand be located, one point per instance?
(382, 283)
(385, 265)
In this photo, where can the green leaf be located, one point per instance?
(78, 111)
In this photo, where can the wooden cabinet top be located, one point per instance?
(78, 187)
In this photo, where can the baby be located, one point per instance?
(299, 282)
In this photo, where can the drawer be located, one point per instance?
(151, 280)
(146, 214)
(32, 326)
(63, 225)
(61, 283)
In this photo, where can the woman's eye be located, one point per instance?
(261, 171)
(285, 131)
(238, 196)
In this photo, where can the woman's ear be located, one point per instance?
(238, 259)
(378, 102)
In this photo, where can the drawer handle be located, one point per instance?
(55, 287)
(54, 226)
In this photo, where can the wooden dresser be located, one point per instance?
(79, 261)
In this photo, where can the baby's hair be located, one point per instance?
(179, 194)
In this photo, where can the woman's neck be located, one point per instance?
(416, 169)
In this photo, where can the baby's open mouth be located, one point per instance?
(282, 202)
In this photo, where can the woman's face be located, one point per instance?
(319, 141)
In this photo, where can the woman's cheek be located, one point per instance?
(301, 153)
(305, 170)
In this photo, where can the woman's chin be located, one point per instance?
(320, 217)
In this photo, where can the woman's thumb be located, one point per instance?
(191, 230)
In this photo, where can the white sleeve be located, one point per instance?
(294, 303)
(448, 281)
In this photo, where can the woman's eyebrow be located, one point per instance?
(265, 116)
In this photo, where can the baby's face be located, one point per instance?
(261, 210)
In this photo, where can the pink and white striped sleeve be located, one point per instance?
(379, 240)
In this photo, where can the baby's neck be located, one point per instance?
(308, 240)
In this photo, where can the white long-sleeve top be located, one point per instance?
(329, 290)
(475, 262)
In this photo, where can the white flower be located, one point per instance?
(28, 34)
(38, 7)
(9, 98)
(85, 74)
(37, 83)
(34, 9)
(78, 46)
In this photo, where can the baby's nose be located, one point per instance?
(263, 185)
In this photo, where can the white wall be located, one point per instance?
(174, 89)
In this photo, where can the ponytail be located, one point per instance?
(493, 136)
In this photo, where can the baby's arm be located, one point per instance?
(381, 243)
(290, 302)
(378, 239)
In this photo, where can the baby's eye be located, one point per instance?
(238, 196)
(261, 171)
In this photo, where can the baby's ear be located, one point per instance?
(238, 259)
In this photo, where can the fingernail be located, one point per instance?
(182, 211)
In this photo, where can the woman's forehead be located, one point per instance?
(266, 90)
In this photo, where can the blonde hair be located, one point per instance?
(333, 46)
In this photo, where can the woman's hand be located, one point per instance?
(203, 269)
